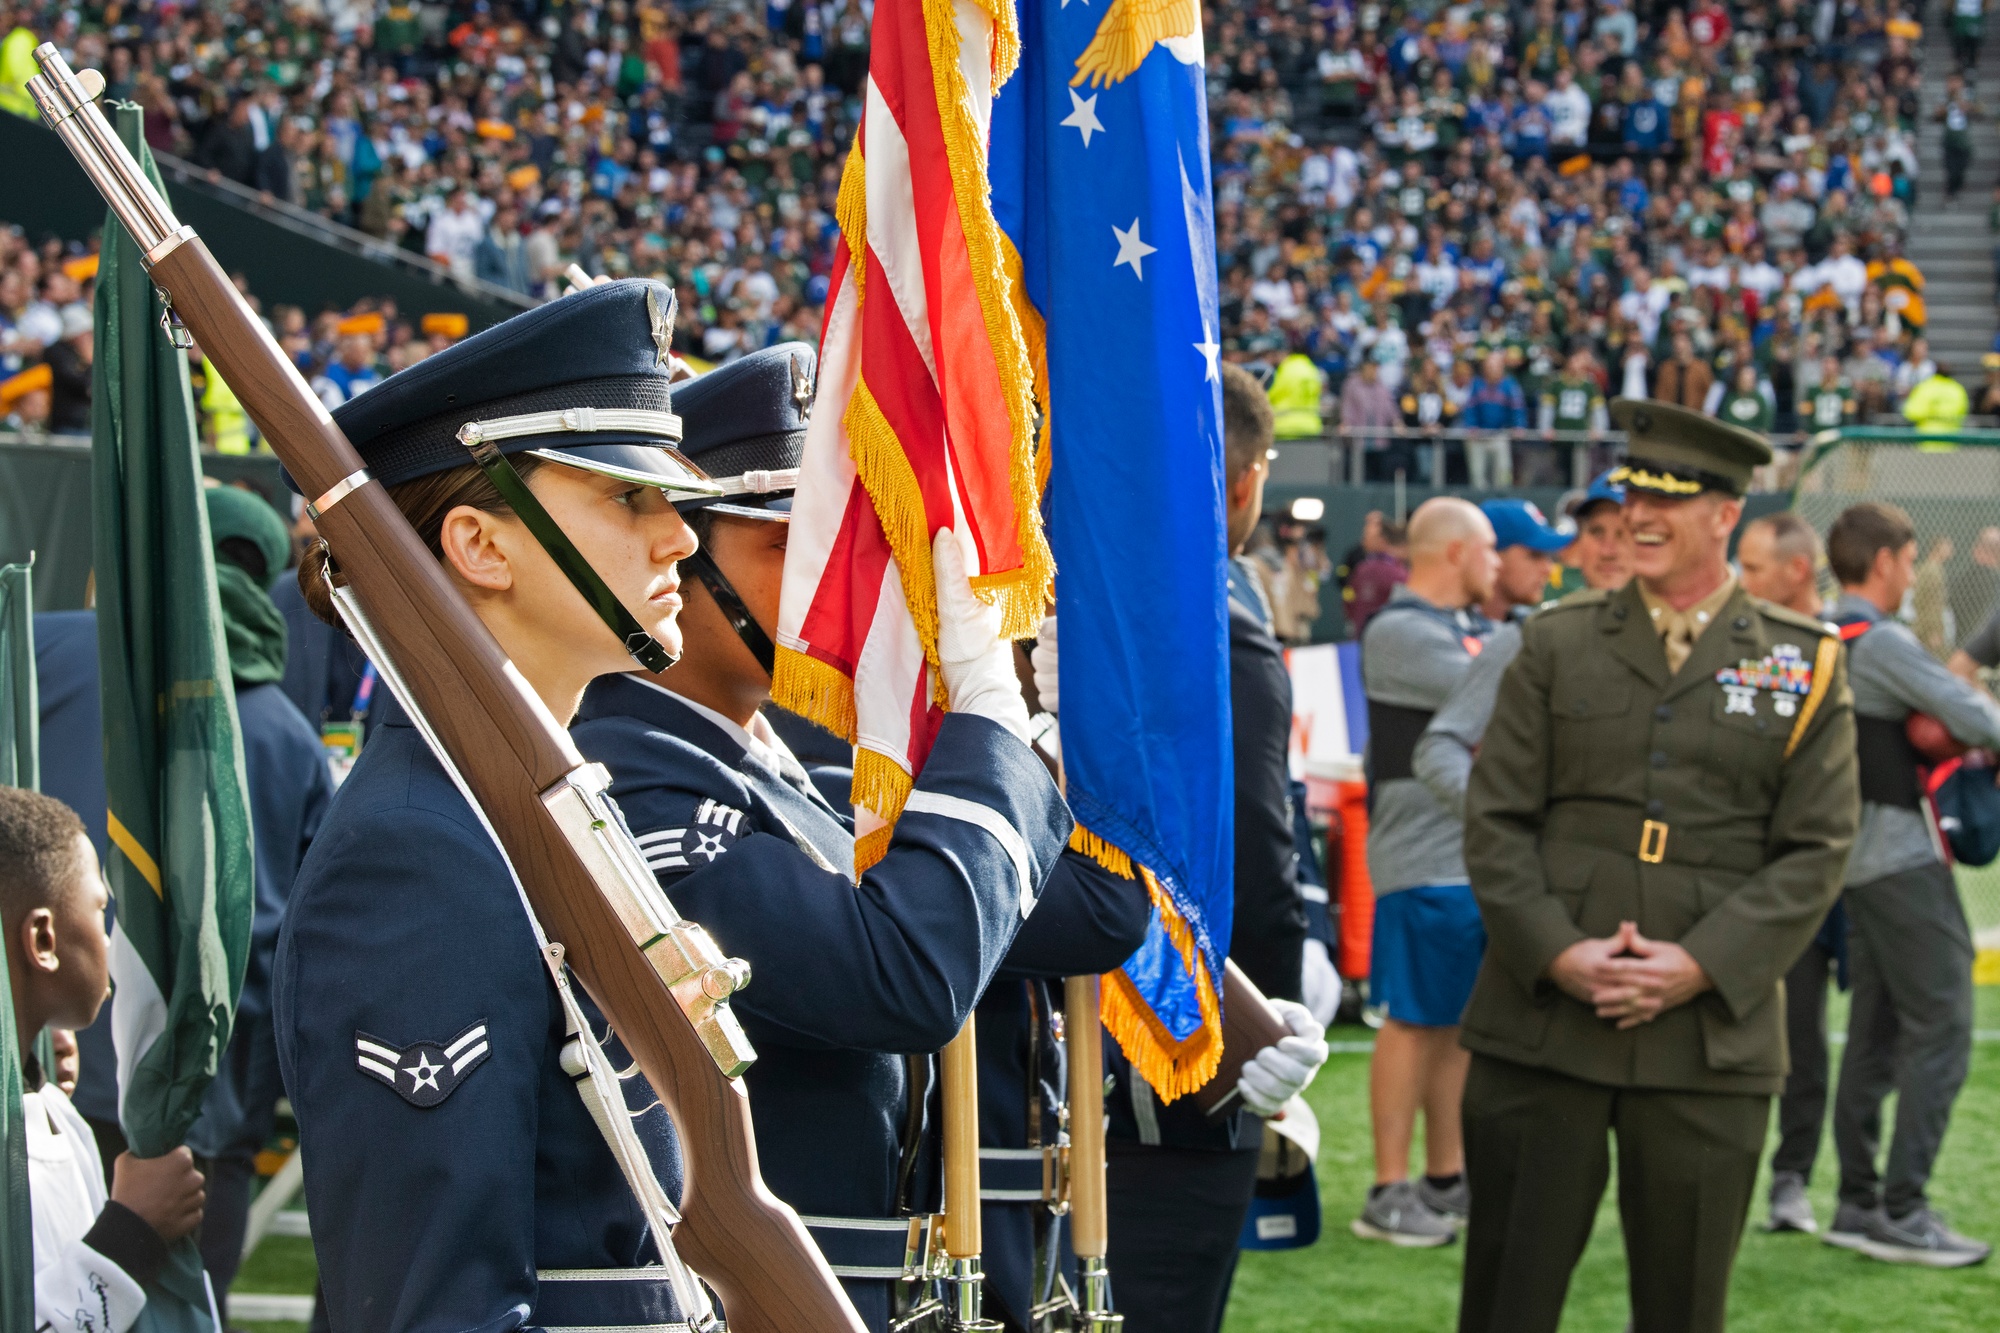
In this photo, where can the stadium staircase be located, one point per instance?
(1951, 243)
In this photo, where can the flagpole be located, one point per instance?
(963, 1238)
(1089, 1226)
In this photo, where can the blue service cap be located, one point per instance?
(1520, 523)
(745, 424)
(1603, 490)
(581, 380)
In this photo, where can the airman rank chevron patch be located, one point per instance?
(423, 1073)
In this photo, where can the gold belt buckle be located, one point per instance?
(1653, 842)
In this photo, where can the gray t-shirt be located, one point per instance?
(1443, 761)
(1413, 656)
(1892, 676)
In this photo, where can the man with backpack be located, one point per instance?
(1910, 951)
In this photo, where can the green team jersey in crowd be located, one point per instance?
(1748, 410)
(398, 31)
(1968, 17)
(1832, 404)
(1573, 403)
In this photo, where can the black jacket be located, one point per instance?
(1267, 935)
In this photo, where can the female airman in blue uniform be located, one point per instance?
(455, 1179)
(853, 976)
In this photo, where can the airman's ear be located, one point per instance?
(471, 545)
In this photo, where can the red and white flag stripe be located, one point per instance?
(923, 416)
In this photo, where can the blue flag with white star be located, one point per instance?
(1100, 172)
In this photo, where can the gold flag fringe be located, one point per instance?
(850, 211)
(1036, 330)
(870, 848)
(1173, 1067)
(1022, 594)
(815, 691)
(883, 785)
(1097, 849)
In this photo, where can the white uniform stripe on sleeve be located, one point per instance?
(376, 1067)
(458, 1065)
(376, 1050)
(972, 812)
(472, 1035)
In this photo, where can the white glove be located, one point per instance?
(1320, 981)
(1279, 1073)
(976, 663)
(1043, 658)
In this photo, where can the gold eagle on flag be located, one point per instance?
(1130, 31)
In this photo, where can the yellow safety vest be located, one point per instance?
(1939, 403)
(228, 424)
(17, 66)
(1294, 393)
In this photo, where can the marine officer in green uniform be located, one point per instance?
(1657, 823)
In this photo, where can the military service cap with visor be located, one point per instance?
(1677, 453)
(745, 425)
(581, 381)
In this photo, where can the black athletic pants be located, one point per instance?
(1175, 1216)
(1802, 1110)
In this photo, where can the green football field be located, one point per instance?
(1783, 1283)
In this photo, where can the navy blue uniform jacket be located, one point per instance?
(405, 927)
(847, 978)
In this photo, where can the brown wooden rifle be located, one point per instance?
(658, 978)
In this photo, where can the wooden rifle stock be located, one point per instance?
(1249, 1024)
(747, 1244)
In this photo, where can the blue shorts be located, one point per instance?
(1425, 956)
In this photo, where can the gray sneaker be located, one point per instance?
(1923, 1238)
(1791, 1210)
(1398, 1216)
(1454, 1202)
(1853, 1225)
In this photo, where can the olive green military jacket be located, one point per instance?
(1713, 807)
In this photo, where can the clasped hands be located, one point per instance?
(1627, 977)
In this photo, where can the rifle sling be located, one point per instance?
(730, 603)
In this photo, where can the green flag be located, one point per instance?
(179, 815)
(19, 726)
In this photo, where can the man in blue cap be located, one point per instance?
(1443, 759)
(1601, 555)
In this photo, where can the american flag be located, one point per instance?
(924, 417)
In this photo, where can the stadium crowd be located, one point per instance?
(1494, 218)
(1478, 218)
(47, 346)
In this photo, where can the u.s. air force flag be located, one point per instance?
(1099, 167)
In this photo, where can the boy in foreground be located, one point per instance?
(93, 1254)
